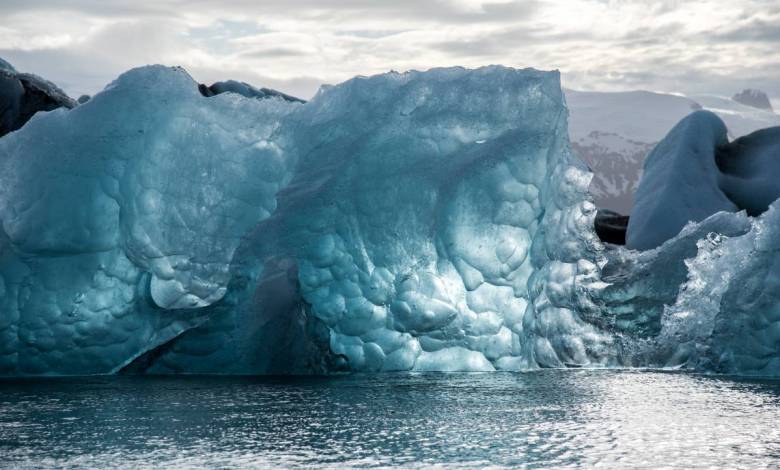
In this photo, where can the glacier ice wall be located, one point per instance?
(426, 215)
(680, 182)
(427, 220)
(704, 298)
(695, 172)
(121, 216)
(419, 221)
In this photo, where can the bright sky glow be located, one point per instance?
(701, 46)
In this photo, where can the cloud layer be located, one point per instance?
(706, 46)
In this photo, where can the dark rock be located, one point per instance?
(244, 89)
(83, 99)
(205, 90)
(753, 98)
(611, 226)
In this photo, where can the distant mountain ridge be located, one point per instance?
(754, 98)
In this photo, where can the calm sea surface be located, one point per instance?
(616, 419)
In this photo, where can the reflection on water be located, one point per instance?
(546, 419)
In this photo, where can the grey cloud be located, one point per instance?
(755, 29)
(506, 41)
(432, 10)
(272, 52)
(372, 34)
(334, 39)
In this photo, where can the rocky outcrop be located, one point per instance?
(611, 227)
(754, 98)
(244, 89)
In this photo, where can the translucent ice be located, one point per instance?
(419, 221)
(124, 206)
(705, 299)
(425, 216)
(426, 220)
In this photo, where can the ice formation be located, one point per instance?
(426, 220)
(695, 172)
(613, 132)
(23, 94)
(680, 182)
(429, 221)
(704, 298)
(244, 89)
(749, 167)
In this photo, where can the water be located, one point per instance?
(619, 419)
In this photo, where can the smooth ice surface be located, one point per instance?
(695, 172)
(750, 166)
(680, 183)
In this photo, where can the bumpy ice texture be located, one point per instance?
(706, 299)
(425, 217)
(120, 217)
(427, 220)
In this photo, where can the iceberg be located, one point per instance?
(695, 172)
(121, 216)
(702, 294)
(706, 300)
(749, 166)
(426, 220)
(244, 89)
(24, 94)
(680, 182)
(418, 221)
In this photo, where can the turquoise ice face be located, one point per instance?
(400, 218)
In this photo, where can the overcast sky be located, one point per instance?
(710, 46)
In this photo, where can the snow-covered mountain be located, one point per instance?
(614, 131)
